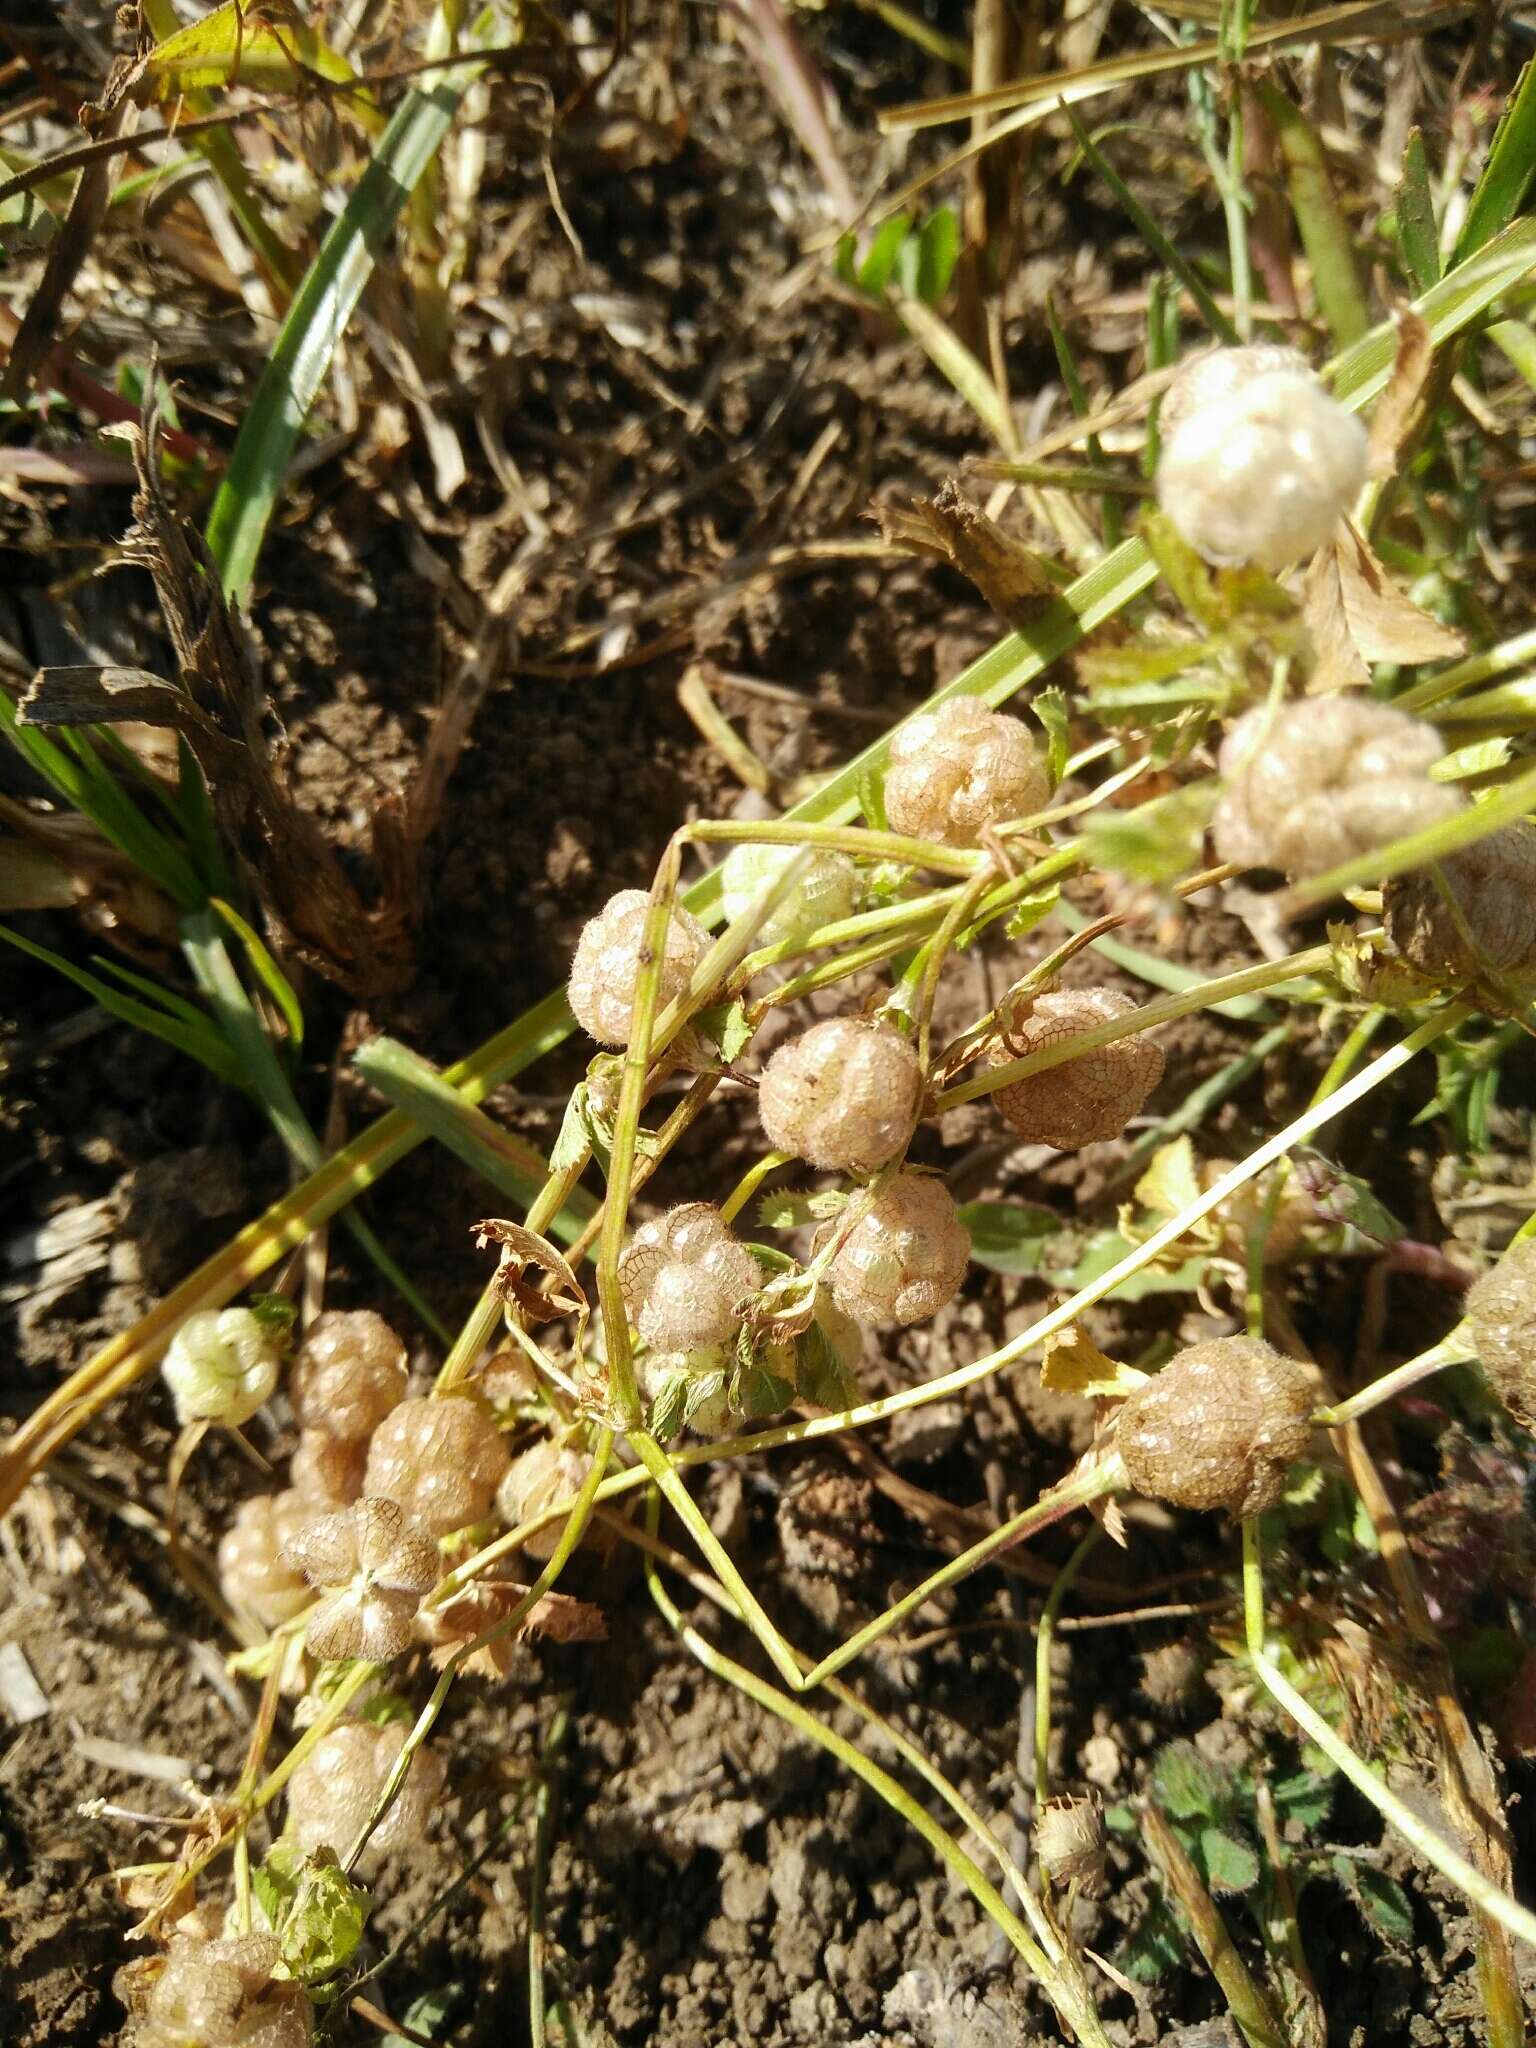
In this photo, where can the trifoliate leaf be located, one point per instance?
(1154, 1949)
(701, 1391)
(756, 1392)
(1008, 1237)
(821, 1375)
(1230, 1865)
(670, 1407)
(318, 1909)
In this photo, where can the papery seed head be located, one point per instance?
(603, 974)
(327, 1471)
(254, 1572)
(349, 1373)
(221, 1994)
(1474, 915)
(1069, 1839)
(335, 1788)
(1218, 1426)
(1258, 462)
(220, 1366)
(906, 1257)
(826, 889)
(1086, 1099)
(843, 1096)
(1323, 779)
(960, 768)
(682, 1276)
(441, 1460)
(372, 1568)
(537, 1477)
(1501, 1307)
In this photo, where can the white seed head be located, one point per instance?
(350, 1371)
(826, 889)
(603, 974)
(327, 1471)
(844, 1095)
(1324, 779)
(1477, 916)
(1218, 1426)
(1258, 463)
(372, 1568)
(334, 1790)
(682, 1276)
(905, 1257)
(254, 1572)
(221, 1994)
(220, 1366)
(441, 1460)
(536, 1478)
(1501, 1307)
(1087, 1099)
(960, 768)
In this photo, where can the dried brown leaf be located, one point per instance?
(524, 1252)
(1356, 614)
(1013, 579)
(1399, 415)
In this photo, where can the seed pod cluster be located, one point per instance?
(1317, 782)
(372, 1568)
(349, 1373)
(254, 1572)
(1218, 1426)
(1258, 462)
(1086, 1099)
(442, 1461)
(601, 990)
(682, 1276)
(337, 1786)
(1501, 1307)
(825, 889)
(905, 1257)
(536, 1478)
(220, 1366)
(844, 1095)
(1476, 915)
(1069, 1838)
(959, 769)
(220, 1994)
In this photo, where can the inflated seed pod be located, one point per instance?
(1069, 1839)
(1477, 914)
(1320, 780)
(1501, 1307)
(682, 1276)
(441, 1460)
(826, 889)
(601, 990)
(1258, 462)
(905, 1257)
(1085, 1099)
(960, 768)
(350, 1371)
(371, 1568)
(843, 1096)
(327, 1471)
(1218, 1426)
(334, 1789)
(536, 1478)
(220, 1366)
(254, 1573)
(219, 1994)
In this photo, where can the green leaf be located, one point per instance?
(726, 1026)
(1107, 1248)
(276, 1315)
(756, 1392)
(1050, 707)
(821, 1375)
(706, 1388)
(938, 251)
(1009, 1237)
(781, 1210)
(1155, 1948)
(1186, 1783)
(266, 970)
(573, 1140)
(1506, 178)
(1230, 1865)
(1027, 913)
(1417, 228)
(669, 1410)
(1158, 841)
(879, 264)
(425, 2015)
(1481, 758)
(318, 1910)
(1303, 1797)
(1382, 1901)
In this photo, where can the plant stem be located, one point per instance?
(1451, 1350)
(1245, 1999)
(1043, 1639)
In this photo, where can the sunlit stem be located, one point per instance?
(1451, 1350)
(1043, 1640)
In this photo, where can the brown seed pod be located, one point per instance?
(1476, 916)
(905, 1257)
(843, 1096)
(441, 1460)
(254, 1573)
(601, 990)
(1501, 1307)
(336, 1787)
(1321, 780)
(1086, 1099)
(217, 1994)
(959, 769)
(536, 1479)
(373, 1568)
(1069, 1839)
(350, 1371)
(327, 1471)
(1218, 1426)
(682, 1276)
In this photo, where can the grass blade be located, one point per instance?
(1506, 179)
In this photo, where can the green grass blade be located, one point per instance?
(1417, 228)
(1325, 233)
(266, 970)
(1506, 180)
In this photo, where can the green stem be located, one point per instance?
(1043, 1639)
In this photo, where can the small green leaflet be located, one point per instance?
(319, 1910)
(1008, 1237)
(1050, 707)
(1230, 1865)
(727, 1028)
(782, 1210)
(820, 1374)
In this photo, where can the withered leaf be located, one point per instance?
(1074, 1364)
(1356, 614)
(480, 1607)
(1013, 579)
(1399, 413)
(524, 1252)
